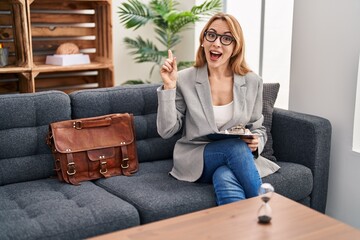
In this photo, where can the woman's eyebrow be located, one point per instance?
(211, 29)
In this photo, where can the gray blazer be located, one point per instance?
(189, 106)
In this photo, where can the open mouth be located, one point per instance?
(215, 55)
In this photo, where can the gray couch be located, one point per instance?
(35, 205)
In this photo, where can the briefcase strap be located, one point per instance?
(71, 170)
(103, 168)
(125, 160)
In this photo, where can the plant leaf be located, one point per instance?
(160, 9)
(144, 50)
(167, 38)
(134, 14)
(180, 21)
(209, 7)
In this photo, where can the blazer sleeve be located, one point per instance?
(171, 111)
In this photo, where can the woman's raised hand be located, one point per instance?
(168, 71)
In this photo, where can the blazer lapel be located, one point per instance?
(203, 90)
(239, 93)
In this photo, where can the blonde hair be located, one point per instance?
(237, 60)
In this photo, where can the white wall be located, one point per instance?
(325, 54)
(124, 66)
(277, 47)
(277, 40)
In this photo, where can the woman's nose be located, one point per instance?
(217, 42)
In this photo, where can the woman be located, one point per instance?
(218, 93)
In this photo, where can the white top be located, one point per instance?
(223, 114)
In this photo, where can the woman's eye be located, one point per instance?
(212, 35)
(227, 38)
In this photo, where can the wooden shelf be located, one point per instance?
(71, 80)
(36, 28)
(14, 35)
(14, 69)
(15, 82)
(52, 68)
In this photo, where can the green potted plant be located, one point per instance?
(168, 23)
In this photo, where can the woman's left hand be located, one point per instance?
(252, 142)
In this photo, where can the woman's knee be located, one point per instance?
(223, 177)
(227, 187)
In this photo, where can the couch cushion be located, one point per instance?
(140, 100)
(48, 209)
(292, 180)
(270, 93)
(24, 124)
(157, 195)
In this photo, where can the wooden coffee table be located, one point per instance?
(290, 220)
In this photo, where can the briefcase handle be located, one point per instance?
(80, 124)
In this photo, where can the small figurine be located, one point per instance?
(67, 48)
(4, 54)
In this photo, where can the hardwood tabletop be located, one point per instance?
(290, 220)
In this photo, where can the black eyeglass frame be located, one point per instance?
(219, 35)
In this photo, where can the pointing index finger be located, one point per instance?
(170, 55)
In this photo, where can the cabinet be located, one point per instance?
(33, 29)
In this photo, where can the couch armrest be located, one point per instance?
(304, 139)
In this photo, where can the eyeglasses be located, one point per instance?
(224, 39)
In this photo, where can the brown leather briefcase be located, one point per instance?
(92, 148)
